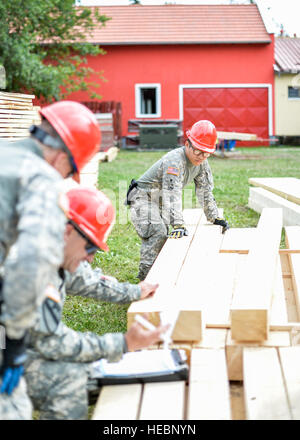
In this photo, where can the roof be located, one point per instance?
(180, 24)
(287, 54)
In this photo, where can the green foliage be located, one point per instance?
(51, 70)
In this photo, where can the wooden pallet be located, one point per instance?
(232, 375)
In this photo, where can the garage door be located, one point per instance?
(240, 109)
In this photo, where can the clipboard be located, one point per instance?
(142, 367)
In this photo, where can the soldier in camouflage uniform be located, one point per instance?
(32, 216)
(155, 200)
(59, 358)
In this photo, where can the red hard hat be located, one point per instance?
(77, 127)
(203, 136)
(93, 213)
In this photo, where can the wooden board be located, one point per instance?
(238, 240)
(253, 292)
(208, 394)
(290, 359)
(227, 135)
(264, 390)
(163, 401)
(172, 255)
(292, 237)
(118, 402)
(285, 187)
(260, 198)
(234, 351)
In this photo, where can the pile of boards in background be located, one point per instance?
(276, 192)
(239, 323)
(17, 114)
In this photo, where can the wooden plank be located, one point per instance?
(237, 401)
(118, 402)
(260, 198)
(236, 136)
(208, 394)
(217, 302)
(238, 240)
(253, 293)
(278, 312)
(212, 338)
(11, 95)
(163, 401)
(89, 180)
(234, 351)
(285, 187)
(290, 359)
(172, 255)
(292, 237)
(264, 389)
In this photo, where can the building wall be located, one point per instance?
(287, 110)
(173, 65)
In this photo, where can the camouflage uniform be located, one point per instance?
(157, 201)
(30, 216)
(59, 390)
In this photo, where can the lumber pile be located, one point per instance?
(17, 114)
(276, 192)
(239, 323)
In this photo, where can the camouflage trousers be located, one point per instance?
(58, 389)
(17, 406)
(147, 220)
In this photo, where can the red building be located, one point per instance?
(188, 62)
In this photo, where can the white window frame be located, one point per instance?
(227, 85)
(294, 98)
(138, 88)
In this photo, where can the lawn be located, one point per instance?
(231, 193)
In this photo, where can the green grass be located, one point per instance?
(231, 193)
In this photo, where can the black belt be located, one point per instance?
(133, 184)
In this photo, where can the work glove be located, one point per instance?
(14, 356)
(178, 231)
(222, 222)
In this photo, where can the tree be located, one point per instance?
(43, 46)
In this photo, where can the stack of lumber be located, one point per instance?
(276, 192)
(17, 114)
(239, 322)
(89, 174)
(105, 121)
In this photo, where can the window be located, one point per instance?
(294, 92)
(147, 101)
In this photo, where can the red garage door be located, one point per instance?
(240, 109)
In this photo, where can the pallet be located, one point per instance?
(230, 378)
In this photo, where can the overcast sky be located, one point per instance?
(274, 12)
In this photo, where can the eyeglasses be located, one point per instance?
(90, 247)
(199, 153)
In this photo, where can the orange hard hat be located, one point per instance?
(77, 127)
(203, 136)
(93, 213)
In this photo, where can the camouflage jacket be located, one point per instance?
(30, 216)
(170, 175)
(53, 340)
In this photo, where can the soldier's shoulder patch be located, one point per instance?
(173, 170)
